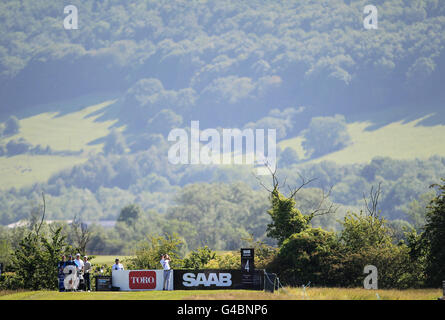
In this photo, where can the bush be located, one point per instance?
(148, 254)
(199, 258)
(302, 256)
(225, 261)
(35, 260)
(325, 135)
(10, 281)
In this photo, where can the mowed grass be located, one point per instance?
(109, 260)
(398, 140)
(287, 294)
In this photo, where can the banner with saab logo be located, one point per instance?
(139, 280)
(212, 279)
(206, 279)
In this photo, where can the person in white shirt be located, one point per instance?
(79, 265)
(117, 265)
(78, 262)
(165, 262)
(86, 273)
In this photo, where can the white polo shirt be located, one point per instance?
(117, 267)
(79, 263)
(165, 264)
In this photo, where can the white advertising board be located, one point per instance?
(140, 280)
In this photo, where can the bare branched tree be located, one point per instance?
(371, 206)
(304, 182)
(82, 234)
(323, 207)
(275, 183)
(43, 213)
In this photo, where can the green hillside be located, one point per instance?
(71, 131)
(77, 131)
(397, 140)
(80, 131)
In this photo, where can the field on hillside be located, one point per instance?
(398, 140)
(287, 294)
(80, 129)
(72, 131)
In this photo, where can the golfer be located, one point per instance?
(165, 261)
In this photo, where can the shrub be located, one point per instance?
(148, 254)
(302, 256)
(199, 258)
(10, 281)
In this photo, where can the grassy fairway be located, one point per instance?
(109, 260)
(288, 294)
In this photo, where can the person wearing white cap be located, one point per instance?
(79, 264)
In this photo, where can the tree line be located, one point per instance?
(300, 252)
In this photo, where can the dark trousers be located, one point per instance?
(61, 283)
(86, 281)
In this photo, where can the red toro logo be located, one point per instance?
(142, 279)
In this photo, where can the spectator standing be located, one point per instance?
(86, 274)
(79, 264)
(70, 261)
(117, 265)
(61, 276)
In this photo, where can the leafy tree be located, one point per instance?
(400, 228)
(433, 238)
(362, 231)
(301, 257)
(325, 135)
(148, 253)
(35, 260)
(12, 126)
(286, 218)
(227, 260)
(288, 157)
(115, 143)
(367, 239)
(198, 258)
(5, 253)
(130, 214)
(17, 146)
(264, 253)
(418, 208)
(394, 265)
(164, 121)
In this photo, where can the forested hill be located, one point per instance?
(228, 62)
(85, 113)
